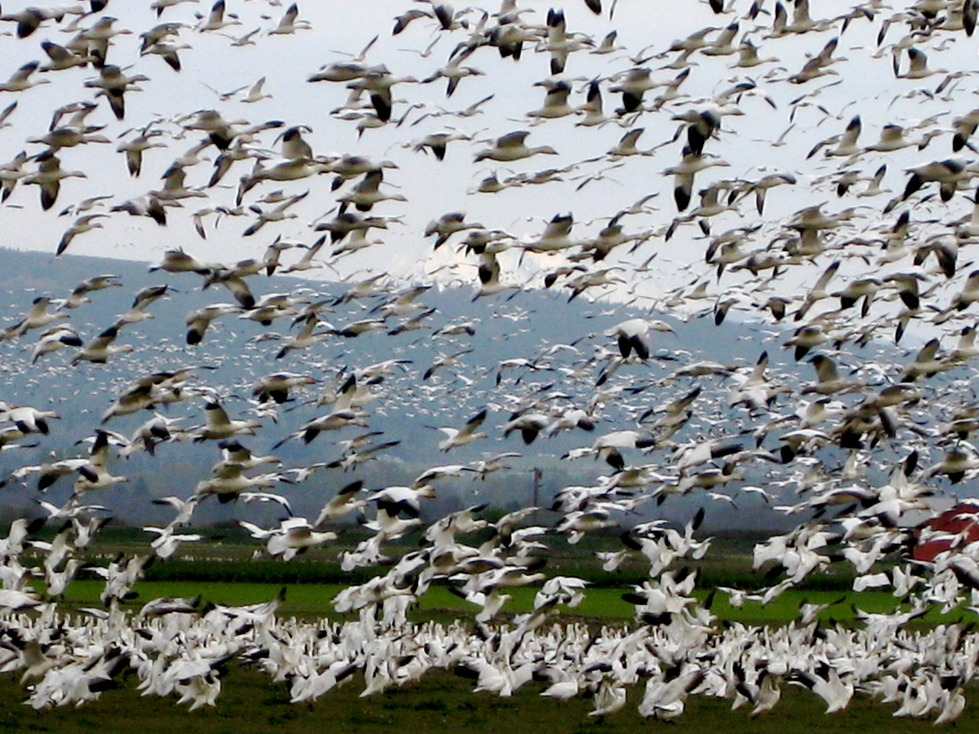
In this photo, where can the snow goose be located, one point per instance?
(512, 147)
(218, 425)
(101, 348)
(23, 79)
(290, 23)
(198, 321)
(343, 503)
(633, 84)
(683, 175)
(455, 437)
(94, 474)
(230, 482)
(633, 336)
(49, 176)
(113, 84)
(54, 338)
(947, 174)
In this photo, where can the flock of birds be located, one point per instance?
(832, 242)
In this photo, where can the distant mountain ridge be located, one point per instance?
(235, 352)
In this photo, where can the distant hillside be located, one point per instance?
(235, 351)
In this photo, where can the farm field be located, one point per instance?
(227, 572)
(601, 604)
(440, 703)
(251, 702)
(648, 445)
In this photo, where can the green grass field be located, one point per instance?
(310, 601)
(441, 702)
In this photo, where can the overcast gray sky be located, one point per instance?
(753, 143)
